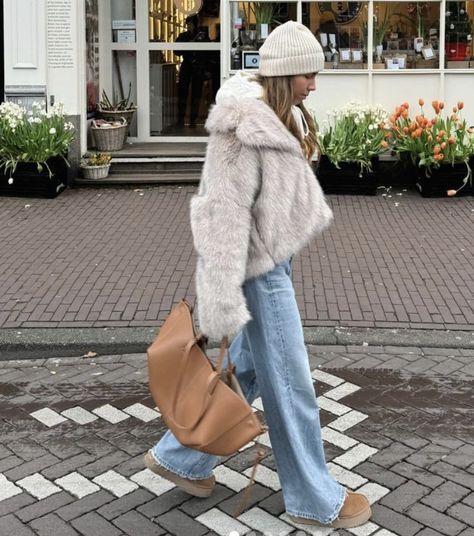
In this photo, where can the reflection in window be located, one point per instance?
(251, 23)
(182, 91)
(169, 19)
(459, 29)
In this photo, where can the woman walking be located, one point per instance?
(258, 204)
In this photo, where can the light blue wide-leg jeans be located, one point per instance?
(272, 362)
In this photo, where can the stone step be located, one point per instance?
(141, 178)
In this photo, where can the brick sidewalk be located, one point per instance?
(120, 257)
(397, 424)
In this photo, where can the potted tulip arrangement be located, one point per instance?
(439, 147)
(351, 141)
(33, 148)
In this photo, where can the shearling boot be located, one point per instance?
(354, 512)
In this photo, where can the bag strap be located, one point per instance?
(223, 347)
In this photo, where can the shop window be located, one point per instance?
(251, 23)
(406, 35)
(341, 28)
(458, 38)
(177, 21)
(124, 26)
(124, 80)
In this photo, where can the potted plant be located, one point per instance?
(458, 31)
(439, 147)
(33, 148)
(118, 108)
(381, 25)
(350, 142)
(96, 166)
(263, 12)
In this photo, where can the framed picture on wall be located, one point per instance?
(345, 55)
(356, 55)
(428, 52)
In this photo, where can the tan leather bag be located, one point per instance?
(201, 404)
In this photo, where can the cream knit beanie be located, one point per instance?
(290, 49)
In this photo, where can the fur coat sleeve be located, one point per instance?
(221, 222)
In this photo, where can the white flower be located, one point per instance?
(371, 127)
(52, 130)
(10, 181)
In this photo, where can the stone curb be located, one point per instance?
(35, 343)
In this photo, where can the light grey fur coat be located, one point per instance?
(258, 203)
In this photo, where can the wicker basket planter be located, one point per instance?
(116, 115)
(110, 138)
(95, 172)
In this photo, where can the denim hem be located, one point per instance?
(332, 518)
(182, 474)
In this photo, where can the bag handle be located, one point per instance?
(212, 381)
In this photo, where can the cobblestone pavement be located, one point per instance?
(397, 424)
(122, 257)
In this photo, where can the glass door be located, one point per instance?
(184, 59)
(164, 56)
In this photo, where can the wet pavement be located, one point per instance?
(109, 257)
(397, 425)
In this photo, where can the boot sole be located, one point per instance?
(182, 483)
(344, 523)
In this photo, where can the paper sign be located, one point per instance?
(124, 24)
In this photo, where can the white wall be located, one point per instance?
(45, 46)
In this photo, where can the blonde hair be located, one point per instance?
(278, 94)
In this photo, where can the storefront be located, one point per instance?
(172, 55)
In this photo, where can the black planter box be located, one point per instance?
(28, 182)
(346, 180)
(445, 178)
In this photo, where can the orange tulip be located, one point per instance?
(413, 135)
(443, 145)
(441, 105)
(441, 156)
(405, 114)
(451, 193)
(433, 121)
(451, 141)
(406, 130)
(421, 102)
(435, 105)
(455, 109)
(441, 133)
(384, 144)
(460, 105)
(406, 105)
(436, 150)
(470, 130)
